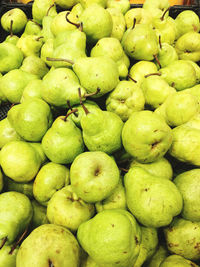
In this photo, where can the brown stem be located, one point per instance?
(60, 59)
(35, 22)
(163, 16)
(134, 22)
(18, 241)
(132, 79)
(151, 74)
(156, 59)
(123, 169)
(81, 102)
(38, 39)
(3, 242)
(70, 107)
(50, 9)
(94, 93)
(11, 28)
(68, 114)
(50, 263)
(73, 23)
(160, 44)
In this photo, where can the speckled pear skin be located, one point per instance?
(154, 201)
(115, 243)
(53, 245)
(178, 261)
(16, 213)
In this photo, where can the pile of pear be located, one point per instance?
(100, 150)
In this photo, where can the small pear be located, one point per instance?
(119, 24)
(167, 54)
(156, 7)
(141, 16)
(32, 28)
(122, 5)
(18, 17)
(30, 44)
(40, 8)
(66, 4)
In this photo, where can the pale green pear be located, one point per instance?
(166, 54)
(161, 168)
(24, 188)
(77, 9)
(46, 28)
(11, 57)
(20, 161)
(88, 262)
(63, 141)
(65, 208)
(111, 238)
(18, 17)
(182, 238)
(12, 39)
(65, 4)
(125, 99)
(40, 8)
(47, 51)
(154, 201)
(30, 45)
(53, 246)
(195, 90)
(39, 215)
(13, 83)
(16, 213)
(176, 260)
(32, 28)
(156, 7)
(197, 69)
(7, 133)
(8, 256)
(122, 5)
(158, 257)
(119, 24)
(86, 3)
(141, 16)
(94, 176)
(1, 181)
(32, 90)
(50, 178)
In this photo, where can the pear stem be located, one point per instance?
(152, 74)
(51, 263)
(18, 241)
(160, 44)
(35, 22)
(60, 59)
(163, 16)
(156, 59)
(81, 102)
(134, 22)
(70, 107)
(50, 9)
(94, 93)
(68, 114)
(73, 23)
(123, 169)
(132, 79)
(11, 28)
(38, 39)
(3, 242)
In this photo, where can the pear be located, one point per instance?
(154, 201)
(65, 4)
(65, 208)
(187, 21)
(86, 3)
(32, 90)
(119, 24)
(176, 260)
(18, 17)
(77, 9)
(11, 57)
(16, 213)
(117, 200)
(20, 161)
(125, 99)
(7, 133)
(30, 124)
(46, 27)
(182, 238)
(155, 140)
(8, 256)
(111, 47)
(32, 28)
(1, 181)
(197, 69)
(63, 141)
(40, 8)
(166, 54)
(111, 238)
(156, 7)
(13, 83)
(30, 44)
(159, 256)
(94, 176)
(39, 215)
(89, 262)
(140, 15)
(161, 168)
(47, 51)
(122, 5)
(34, 65)
(195, 91)
(50, 178)
(54, 246)
(24, 188)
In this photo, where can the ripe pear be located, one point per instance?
(122, 5)
(32, 28)
(119, 24)
(39, 215)
(24, 188)
(32, 90)
(47, 51)
(8, 256)
(156, 7)
(166, 54)
(65, 4)
(141, 16)
(54, 246)
(40, 8)
(176, 260)
(50, 178)
(18, 17)
(154, 201)
(86, 3)
(30, 45)
(111, 238)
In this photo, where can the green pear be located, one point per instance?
(148, 245)
(197, 69)
(102, 131)
(32, 90)
(166, 54)
(20, 161)
(179, 74)
(156, 90)
(47, 51)
(11, 57)
(187, 21)
(125, 99)
(65, 208)
(13, 83)
(111, 47)
(161, 168)
(119, 24)
(40, 8)
(155, 140)
(141, 69)
(26, 120)
(77, 9)
(18, 17)
(89, 262)
(63, 141)
(176, 260)
(111, 238)
(122, 5)
(46, 28)
(13, 39)
(32, 28)
(7, 133)
(86, 3)
(8, 256)
(117, 200)
(94, 176)
(53, 246)
(50, 178)
(140, 43)
(154, 201)
(183, 238)
(159, 256)
(65, 4)
(24, 188)
(30, 45)
(1, 181)
(61, 85)
(16, 213)
(140, 15)
(39, 215)
(34, 65)
(156, 7)
(195, 91)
